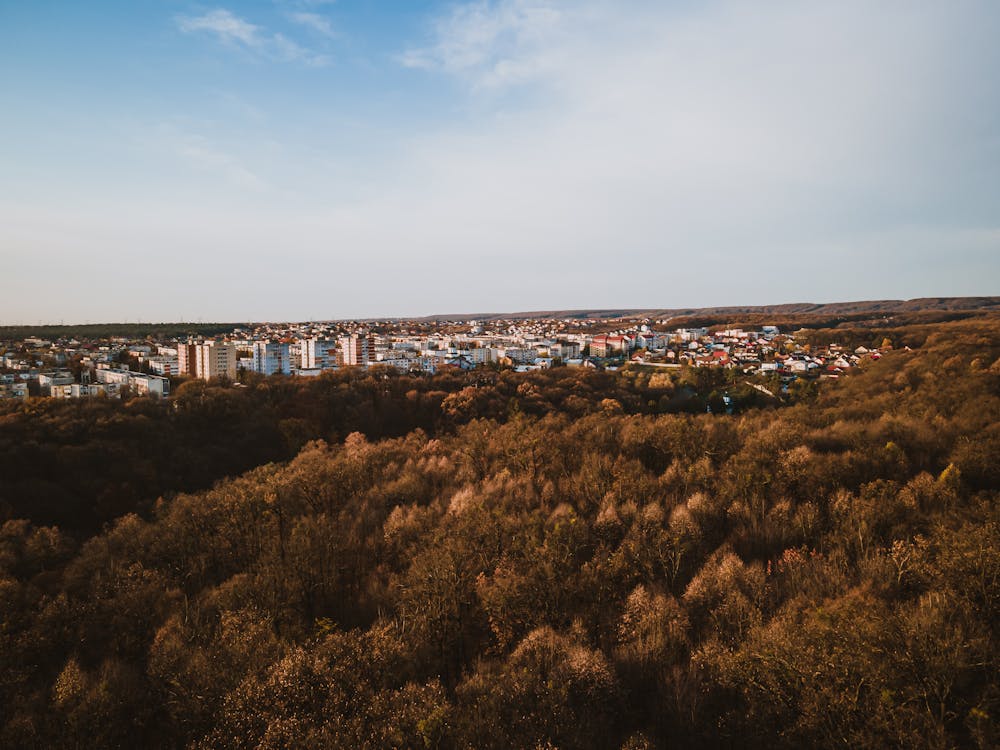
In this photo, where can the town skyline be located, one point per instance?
(119, 364)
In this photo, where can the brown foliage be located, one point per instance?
(519, 561)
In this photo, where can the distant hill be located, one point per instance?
(94, 331)
(793, 308)
(811, 313)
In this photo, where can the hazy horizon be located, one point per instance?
(316, 160)
(473, 314)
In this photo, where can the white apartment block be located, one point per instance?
(187, 355)
(520, 356)
(319, 354)
(140, 383)
(271, 358)
(150, 385)
(215, 359)
(87, 390)
(357, 350)
(47, 380)
(566, 349)
(164, 365)
(480, 355)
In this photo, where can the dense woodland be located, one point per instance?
(553, 560)
(79, 464)
(95, 331)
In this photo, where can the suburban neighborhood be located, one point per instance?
(115, 366)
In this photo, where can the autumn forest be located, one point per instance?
(490, 559)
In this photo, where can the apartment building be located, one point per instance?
(162, 365)
(271, 358)
(357, 349)
(215, 359)
(187, 356)
(318, 354)
(140, 383)
(47, 380)
(87, 390)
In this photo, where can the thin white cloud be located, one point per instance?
(227, 27)
(286, 50)
(316, 22)
(235, 31)
(492, 43)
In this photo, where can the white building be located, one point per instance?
(357, 350)
(187, 355)
(480, 355)
(318, 354)
(150, 385)
(163, 365)
(140, 383)
(215, 359)
(271, 358)
(520, 356)
(87, 390)
(47, 380)
(566, 350)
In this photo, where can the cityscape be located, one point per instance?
(70, 368)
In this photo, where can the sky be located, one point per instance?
(166, 160)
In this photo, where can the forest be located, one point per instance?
(94, 331)
(79, 464)
(566, 559)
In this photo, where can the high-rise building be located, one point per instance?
(318, 354)
(187, 356)
(271, 358)
(214, 359)
(295, 356)
(357, 350)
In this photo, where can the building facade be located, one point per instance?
(271, 358)
(318, 354)
(357, 349)
(215, 359)
(187, 357)
(139, 383)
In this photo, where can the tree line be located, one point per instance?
(100, 331)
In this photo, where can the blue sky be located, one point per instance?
(299, 159)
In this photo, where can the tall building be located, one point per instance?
(357, 350)
(214, 359)
(187, 356)
(271, 358)
(295, 356)
(318, 354)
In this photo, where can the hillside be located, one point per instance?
(795, 308)
(546, 561)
